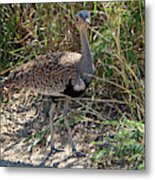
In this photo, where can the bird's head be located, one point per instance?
(82, 19)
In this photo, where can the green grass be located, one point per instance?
(122, 146)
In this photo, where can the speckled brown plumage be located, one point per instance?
(48, 74)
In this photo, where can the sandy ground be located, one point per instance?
(21, 122)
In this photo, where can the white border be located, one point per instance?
(149, 173)
(30, 1)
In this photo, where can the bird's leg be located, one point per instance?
(66, 108)
(53, 149)
(51, 116)
(75, 152)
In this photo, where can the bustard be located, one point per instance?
(57, 74)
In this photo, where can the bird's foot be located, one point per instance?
(53, 151)
(78, 154)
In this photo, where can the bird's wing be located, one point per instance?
(65, 58)
(48, 74)
(70, 58)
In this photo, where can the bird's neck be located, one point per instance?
(85, 66)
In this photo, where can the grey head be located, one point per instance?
(82, 19)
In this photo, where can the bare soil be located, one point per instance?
(21, 122)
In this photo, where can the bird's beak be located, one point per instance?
(88, 21)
